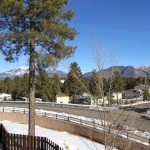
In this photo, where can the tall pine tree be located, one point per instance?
(74, 80)
(44, 86)
(30, 26)
(118, 84)
(56, 85)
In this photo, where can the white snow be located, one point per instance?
(63, 139)
(115, 106)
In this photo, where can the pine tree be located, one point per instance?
(74, 80)
(56, 86)
(24, 85)
(9, 85)
(96, 86)
(16, 88)
(44, 86)
(3, 87)
(27, 26)
(118, 83)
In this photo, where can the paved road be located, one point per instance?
(129, 118)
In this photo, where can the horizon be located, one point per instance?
(121, 28)
(24, 68)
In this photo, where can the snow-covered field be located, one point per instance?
(63, 139)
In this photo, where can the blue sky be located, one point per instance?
(121, 28)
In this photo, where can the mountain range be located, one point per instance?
(125, 72)
(22, 70)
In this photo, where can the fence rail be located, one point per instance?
(25, 142)
(90, 123)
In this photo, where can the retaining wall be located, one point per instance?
(73, 128)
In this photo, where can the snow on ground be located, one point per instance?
(115, 106)
(63, 139)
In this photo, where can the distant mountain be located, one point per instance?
(22, 70)
(145, 69)
(125, 71)
(14, 72)
(60, 73)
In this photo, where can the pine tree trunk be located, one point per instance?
(31, 129)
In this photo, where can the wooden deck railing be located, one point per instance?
(24, 142)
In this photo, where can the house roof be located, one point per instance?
(61, 95)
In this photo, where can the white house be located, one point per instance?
(62, 81)
(5, 97)
(100, 101)
(116, 95)
(62, 98)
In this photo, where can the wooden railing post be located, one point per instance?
(81, 121)
(94, 124)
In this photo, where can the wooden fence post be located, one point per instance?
(81, 121)
(94, 124)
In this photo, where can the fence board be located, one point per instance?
(21, 142)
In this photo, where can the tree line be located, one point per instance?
(47, 88)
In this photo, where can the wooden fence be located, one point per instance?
(24, 142)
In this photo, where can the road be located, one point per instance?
(117, 116)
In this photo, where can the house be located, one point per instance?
(142, 87)
(131, 94)
(100, 101)
(117, 96)
(5, 97)
(62, 81)
(62, 98)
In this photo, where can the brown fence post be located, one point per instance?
(41, 142)
(24, 142)
(127, 135)
(8, 142)
(0, 133)
(81, 121)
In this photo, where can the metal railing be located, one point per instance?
(96, 124)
